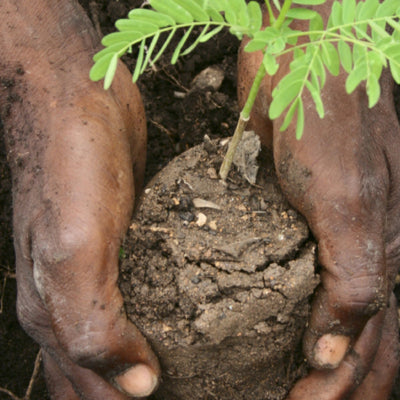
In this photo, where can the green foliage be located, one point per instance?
(355, 38)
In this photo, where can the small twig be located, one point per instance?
(32, 381)
(7, 274)
(162, 128)
(11, 394)
(35, 373)
(174, 80)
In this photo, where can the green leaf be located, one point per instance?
(112, 67)
(283, 96)
(387, 8)
(230, 14)
(100, 67)
(330, 58)
(214, 13)
(194, 9)
(139, 62)
(174, 10)
(164, 46)
(356, 76)
(180, 45)
(277, 4)
(210, 34)
(255, 16)
(395, 70)
(394, 24)
(300, 13)
(255, 45)
(345, 54)
(335, 19)
(319, 69)
(367, 9)
(118, 37)
(375, 64)
(348, 11)
(289, 115)
(150, 51)
(151, 16)
(143, 27)
(316, 24)
(203, 37)
(270, 64)
(392, 51)
(115, 48)
(309, 2)
(378, 31)
(316, 95)
(240, 8)
(300, 120)
(373, 90)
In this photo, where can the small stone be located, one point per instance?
(213, 225)
(212, 173)
(201, 220)
(210, 77)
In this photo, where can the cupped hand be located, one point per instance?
(343, 175)
(77, 155)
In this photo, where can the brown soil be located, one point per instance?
(178, 118)
(224, 308)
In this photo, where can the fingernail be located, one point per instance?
(138, 381)
(330, 350)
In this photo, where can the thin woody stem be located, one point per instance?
(241, 125)
(245, 114)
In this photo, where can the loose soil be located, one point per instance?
(178, 118)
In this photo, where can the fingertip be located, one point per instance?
(138, 381)
(329, 350)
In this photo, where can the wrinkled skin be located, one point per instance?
(344, 177)
(71, 147)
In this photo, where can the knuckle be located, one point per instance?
(364, 298)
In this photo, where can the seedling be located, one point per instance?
(355, 36)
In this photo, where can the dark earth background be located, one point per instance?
(177, 120)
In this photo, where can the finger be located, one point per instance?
(86, 384)
(139, 370)
(378, 383)
(337, 177)
(58, 386)
(337, 383)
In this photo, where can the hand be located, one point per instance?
(344, 177)
(71, 148)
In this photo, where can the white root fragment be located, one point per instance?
(201, 203)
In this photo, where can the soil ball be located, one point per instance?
(223, 302)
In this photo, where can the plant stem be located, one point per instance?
(241, 125)
(245, 114)
(282, 15)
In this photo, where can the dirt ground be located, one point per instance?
(178, 118)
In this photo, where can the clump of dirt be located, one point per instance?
(218, 278)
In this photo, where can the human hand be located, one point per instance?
(71, 148)
(343, 176)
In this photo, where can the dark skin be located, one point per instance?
(344, 177)
(71, 147)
